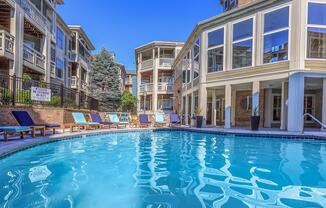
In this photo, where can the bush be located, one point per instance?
(5, 96)
(55, 101)
(24, 96)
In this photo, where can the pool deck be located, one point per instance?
(15, 144)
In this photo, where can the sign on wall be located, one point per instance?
(41, 94)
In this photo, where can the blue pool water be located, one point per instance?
(166, 169)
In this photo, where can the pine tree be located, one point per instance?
(105, 81)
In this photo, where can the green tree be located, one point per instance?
(105, 81)
(128, 102)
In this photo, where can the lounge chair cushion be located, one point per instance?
(24, 119)
(159, 118)
(14, 128)
(174, 118)
(114, 118)
(143, 119)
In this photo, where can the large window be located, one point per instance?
(316, 43)
(59, 68)
(60, 38)
(276, 35)
(215, 52)
(242, 44)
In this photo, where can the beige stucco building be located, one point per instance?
(264, 58)
(155, 76)
(35, 40)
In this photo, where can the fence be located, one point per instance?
(15, 90)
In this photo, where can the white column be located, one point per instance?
(284, 108)
(17, 30)
(228, 99)
(202, 98)
(268, 112)
(214, 108)
(192, 109)
(295, 102)
(139, 80)
(324, 102)
(255, 98)
(155, 82)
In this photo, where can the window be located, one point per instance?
(276, 35)
(316, 43)
(59, 68)
(309, 106)
(215, 53)
(242, 44)
(60, 38)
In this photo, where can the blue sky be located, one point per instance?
(123, 25)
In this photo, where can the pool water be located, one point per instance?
(166, 169)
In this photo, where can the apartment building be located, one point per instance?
(265, 58)
(128, 86)
(34, 40)
(155, 76)
(81, 48)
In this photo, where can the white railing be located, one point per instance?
(33, 12)
(186, 64)
(166, 62)
(165, 87)
(34, 57)
(147, 64)
(52, 67)
(6, 42)
(323, 126)
(146, 87)
(74, 82)
(83, 84)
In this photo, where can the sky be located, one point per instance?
(123, 25)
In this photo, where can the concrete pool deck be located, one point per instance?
(15, 144)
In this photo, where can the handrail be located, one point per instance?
(315, 119)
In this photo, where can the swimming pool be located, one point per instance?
(166, 169)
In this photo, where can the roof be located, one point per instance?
(219, 19)
(80, 30)
(159, 43)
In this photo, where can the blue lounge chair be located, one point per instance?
(174, 119)
(97, 118)
(24, 119)
(159, 119)
(80, 121)
(113, 117)
(9, 130)
(144, 121)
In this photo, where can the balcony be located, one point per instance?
(74, 82)
(52, 68)
(34, 59)
(33, 13)
(6, 44)
(146, 88)
(165, 88)
(166, 62)
(147, 64)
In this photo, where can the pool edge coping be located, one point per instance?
(61, 137)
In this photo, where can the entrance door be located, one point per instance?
(220, 109)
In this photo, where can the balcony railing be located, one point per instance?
(165, 87)
(147, 64)
(146, 88)
(6, 42)
(74, 82)
(166, 62)
(52, 67)
(33, 12)
(34, 57)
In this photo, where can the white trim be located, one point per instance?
(312, 25)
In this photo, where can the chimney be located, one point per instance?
(231, 4)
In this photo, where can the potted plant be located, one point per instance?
(255, 119)
(199, 118)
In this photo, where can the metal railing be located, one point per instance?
(17, 91)
(34, 57)
(165, 87)
(33, 12)
(323, 126)
(147, 64)
(166, 62)
(6, 42)
(146, 88)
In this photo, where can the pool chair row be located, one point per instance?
(26, 125)
(158, 120)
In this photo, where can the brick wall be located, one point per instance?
(39, 115)
(242, 116)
